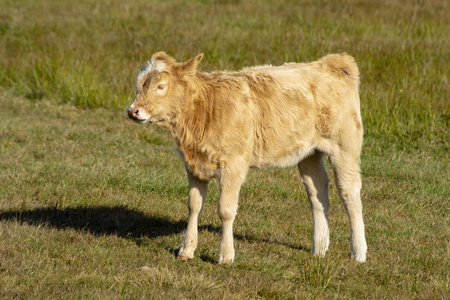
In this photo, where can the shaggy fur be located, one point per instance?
(225, 123)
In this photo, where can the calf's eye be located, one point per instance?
(160, 87)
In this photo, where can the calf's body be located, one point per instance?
(226, 123)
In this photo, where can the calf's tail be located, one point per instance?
(342, 65)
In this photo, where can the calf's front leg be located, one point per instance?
(197, 196)
(230, 185)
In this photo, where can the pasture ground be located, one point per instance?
(93, 205)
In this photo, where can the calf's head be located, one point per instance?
(160, 88)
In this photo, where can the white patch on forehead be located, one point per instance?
(158, 65)
(151, 65)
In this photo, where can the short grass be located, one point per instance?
(93, 205)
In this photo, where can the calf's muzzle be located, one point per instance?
(133, 113)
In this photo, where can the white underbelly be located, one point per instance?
(290, 159)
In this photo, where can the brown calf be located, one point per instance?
(225, 123)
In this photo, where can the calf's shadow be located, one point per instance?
(118, 220)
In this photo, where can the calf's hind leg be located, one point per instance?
(315, 179)
(348, 182)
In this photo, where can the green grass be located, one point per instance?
(88, 198)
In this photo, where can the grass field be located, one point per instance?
(93, 205)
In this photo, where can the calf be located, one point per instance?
(224, 123)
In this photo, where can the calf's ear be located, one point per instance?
(192, 64)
